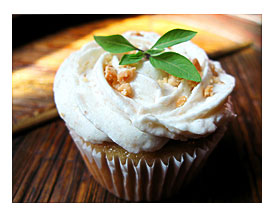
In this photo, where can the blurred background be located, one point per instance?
(25, 28)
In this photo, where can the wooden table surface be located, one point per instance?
(47, 167)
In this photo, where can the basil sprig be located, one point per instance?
(176, 64)
(131, 58)
(171, 62)
(115, 43)
(174, 37)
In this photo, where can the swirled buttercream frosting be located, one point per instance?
(138, 106)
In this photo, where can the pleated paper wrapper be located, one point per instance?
(144, 181)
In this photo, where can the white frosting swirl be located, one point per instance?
(144, 122)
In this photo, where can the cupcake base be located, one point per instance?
(147, 179)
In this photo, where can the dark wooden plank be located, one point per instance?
(56, 168)
(70, 175)
(31, 163)
(23, 160)
(247, 99)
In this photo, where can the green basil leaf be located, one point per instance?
(115, 43)
(174, 37)
(131, 58)
(154, 51)
(177, 65)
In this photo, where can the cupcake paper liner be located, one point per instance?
(145, 182)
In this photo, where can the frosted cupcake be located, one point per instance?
(143, 133)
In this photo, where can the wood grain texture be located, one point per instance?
(35, 65)
(47, 167)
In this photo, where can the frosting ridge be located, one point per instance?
(150, 116)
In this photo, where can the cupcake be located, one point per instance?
(142, 132)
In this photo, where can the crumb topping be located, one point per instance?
(110, 74)
(208, 91)
(192, 84)
(174, 81)
(120, 81)
(181, 101)
(213, 69)
(197, 64)
(163, 80)
(215, 80)
(125, 89)
(127, 75)
(137, 34)
(170, 79)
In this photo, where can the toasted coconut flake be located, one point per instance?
(213, 69)
(197, 64)
(125, 89)
(127, 75)
(174, 81)
(110, 74)
(208, 91)
(137, 34)
(181, 101)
